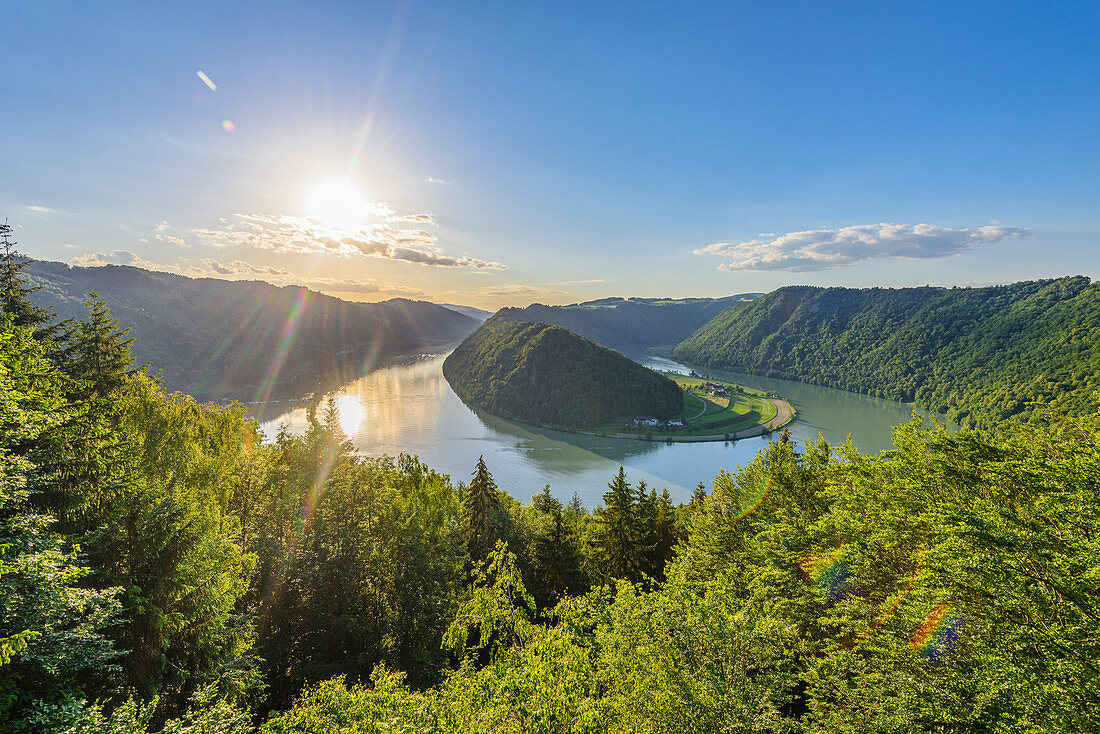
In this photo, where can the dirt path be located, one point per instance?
(706, 407)
(783, 417)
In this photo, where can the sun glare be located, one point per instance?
(351, 413)
(338, 205)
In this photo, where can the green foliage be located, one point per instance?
(544, 374)
(949, 585)
(618, 535)
(207, 714)
(483, 513)
(498, 605)
(166, 534)
(360, 562)
(51, 628)
(97, 352)
(976, 355)
(15, 292)
(161, 561)
(557, 553)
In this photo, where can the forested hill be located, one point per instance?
(542, 373)
(217, 339)
(977, 355)
(621, 321)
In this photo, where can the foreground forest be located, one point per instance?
(976, 355)
(165, 568)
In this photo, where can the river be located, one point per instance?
(410, 408)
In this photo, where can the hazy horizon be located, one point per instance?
(556, 154)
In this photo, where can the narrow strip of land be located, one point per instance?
(729, 411)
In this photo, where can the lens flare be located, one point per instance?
(287, 337)
(206, 80)
(830, 575)
(228, 125)
(749, 498)
(937, 633)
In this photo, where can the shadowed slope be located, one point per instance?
(542, 373)
(219, 339)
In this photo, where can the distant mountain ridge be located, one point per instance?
(977, 355)
(479, 315)
(542, 373)
(218, 339)
(625, 321)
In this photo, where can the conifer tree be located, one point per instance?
(557, 559)
(97, 351)
(667, 532)
(481, 510)
(14, 292)
(646, 504)
(616, 545)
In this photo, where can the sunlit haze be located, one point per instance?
(338, 205)
(556, 152)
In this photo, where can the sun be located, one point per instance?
(339, 206)
(351, 413)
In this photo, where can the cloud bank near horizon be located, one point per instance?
(824, 249)
(304, 235)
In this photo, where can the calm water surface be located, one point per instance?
(411, 409)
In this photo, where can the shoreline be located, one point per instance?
(785, 416)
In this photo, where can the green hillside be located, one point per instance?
(542, 373)
(621, 321)
(218, 339)
(977, 355)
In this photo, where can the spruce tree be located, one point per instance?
(646, 504)
(557, 559)
(14, 292)
(616, 545)
(97, 351)
(481, 510)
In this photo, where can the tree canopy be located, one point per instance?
(542, 373)
(976, 355)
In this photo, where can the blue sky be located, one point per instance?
(504, 153)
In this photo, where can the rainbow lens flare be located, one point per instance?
(937, 633)
(828, 573)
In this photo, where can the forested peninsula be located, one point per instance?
(977, 355)
(541, 373)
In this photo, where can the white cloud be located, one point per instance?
(119, 257)
(822, 249)
(415, 218)
(35, 209)
(242, 268)
(307, 235)
(161, 233)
